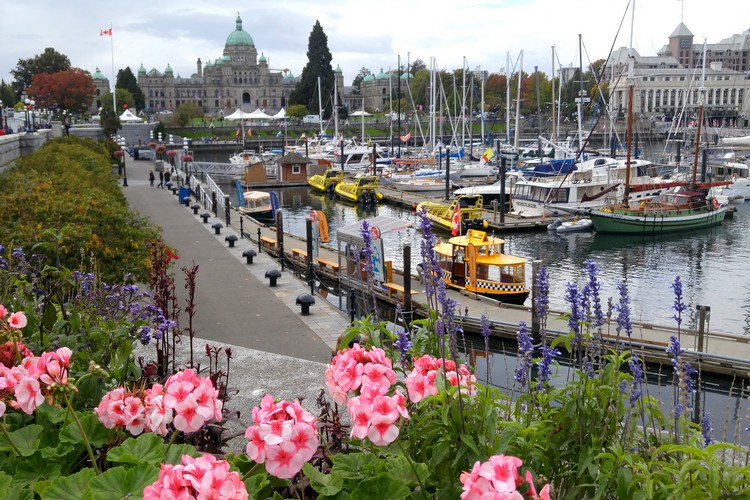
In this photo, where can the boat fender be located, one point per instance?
(576, 181)
(734, 177)
(588, 180)
(715, 203)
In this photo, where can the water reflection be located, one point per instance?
(710, 263)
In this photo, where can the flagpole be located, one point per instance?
(112, 50)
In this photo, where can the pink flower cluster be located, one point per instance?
(370, 375)
(15, 320)
(498, 478)
(187, 401)
(355, 367)
(33, 380)
(203, 478)
(284, 436)
(420, 382)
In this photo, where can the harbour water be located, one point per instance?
(712, 264)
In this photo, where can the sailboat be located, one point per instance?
(674, 211)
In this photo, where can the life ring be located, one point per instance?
(715, 203)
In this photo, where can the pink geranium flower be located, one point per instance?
(17, 320)
(187, 418)
(3, 311)
(498, 478)
(204, 478)
(28, 395)
(283, 461)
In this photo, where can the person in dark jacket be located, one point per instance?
(161, 179)
(151, 178)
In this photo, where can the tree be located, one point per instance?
(297, 111)
(360, 76)
(417, 66)
(123, 97)
(109, 120)
(318, 66)
(185, 113)
(126, 80)
(49, 61)
(71, 89)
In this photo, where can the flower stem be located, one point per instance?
(252, 471)
(411, 464)
(83, 434)
(7, 436)
(174, 436)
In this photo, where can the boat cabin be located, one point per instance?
(476, 262)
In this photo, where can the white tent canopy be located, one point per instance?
(238, 115)
(258, 114)
(281, 115)
(360, 113)
(127, 116)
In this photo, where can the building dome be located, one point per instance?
(208, 63)
(262, 58)
(218, 61)
(99, 76)
(381, 75)
(338, 69)
(239, 36)
(140, 70)
(368, 78)
(168, 70)
(288, 75)
(406, 76)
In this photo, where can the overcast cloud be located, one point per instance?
(361, 33)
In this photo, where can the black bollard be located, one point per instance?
(249, 254)
(186, 200)
(231, 239)
(195, 208)
(273, 275)
(305, 300)
(205, 216)
(217, 227)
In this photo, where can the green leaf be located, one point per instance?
(72, 487)
(25, 439)
(400, 469)
(325, 484)
(119, 482)
(36, 468)
(381, 486)
(175, 452)
(145, 449)
(353, 465)
(97, 434)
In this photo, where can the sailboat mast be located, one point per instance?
(320, 106)
(518, 103)
(631, 86)
(508, 75)
(552, 117)
(700, 115)
(581, 93)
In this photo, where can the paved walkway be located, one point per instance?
(235, 304)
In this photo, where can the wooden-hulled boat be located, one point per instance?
(441, 213)
(327, 181)
(476, 263)
(258, 205)
(363, 189)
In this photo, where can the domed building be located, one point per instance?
(237, 79)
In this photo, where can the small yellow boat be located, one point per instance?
(441, 213)
(363, 190)
(476, 263)
(327, 181)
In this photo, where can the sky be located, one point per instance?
(361, 33)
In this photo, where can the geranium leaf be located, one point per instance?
(119, 482)
(399, 468)
(353, 465)
(325, 484)
(25, 440)
(145, 449)
(381, 486)
(175, 452)
(97, 434)
(71, 487)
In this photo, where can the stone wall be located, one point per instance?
(13, 146)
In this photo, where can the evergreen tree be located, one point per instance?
(126, 80)
(318, 65)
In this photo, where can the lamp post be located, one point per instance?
(123, 145)
(30, 120)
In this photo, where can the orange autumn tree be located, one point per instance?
(71, 89)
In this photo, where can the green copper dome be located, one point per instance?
(168, 70)
(338, 69)
(381, 75)
(238, 36)
(99, 76)
(262, 58)
(368, 78)
(140, 70)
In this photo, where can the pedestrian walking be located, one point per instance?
(161, 179)
(151, 178)
(167, 176)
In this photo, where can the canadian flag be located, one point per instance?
(107, 32)
(456, 221)
(406, 137)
